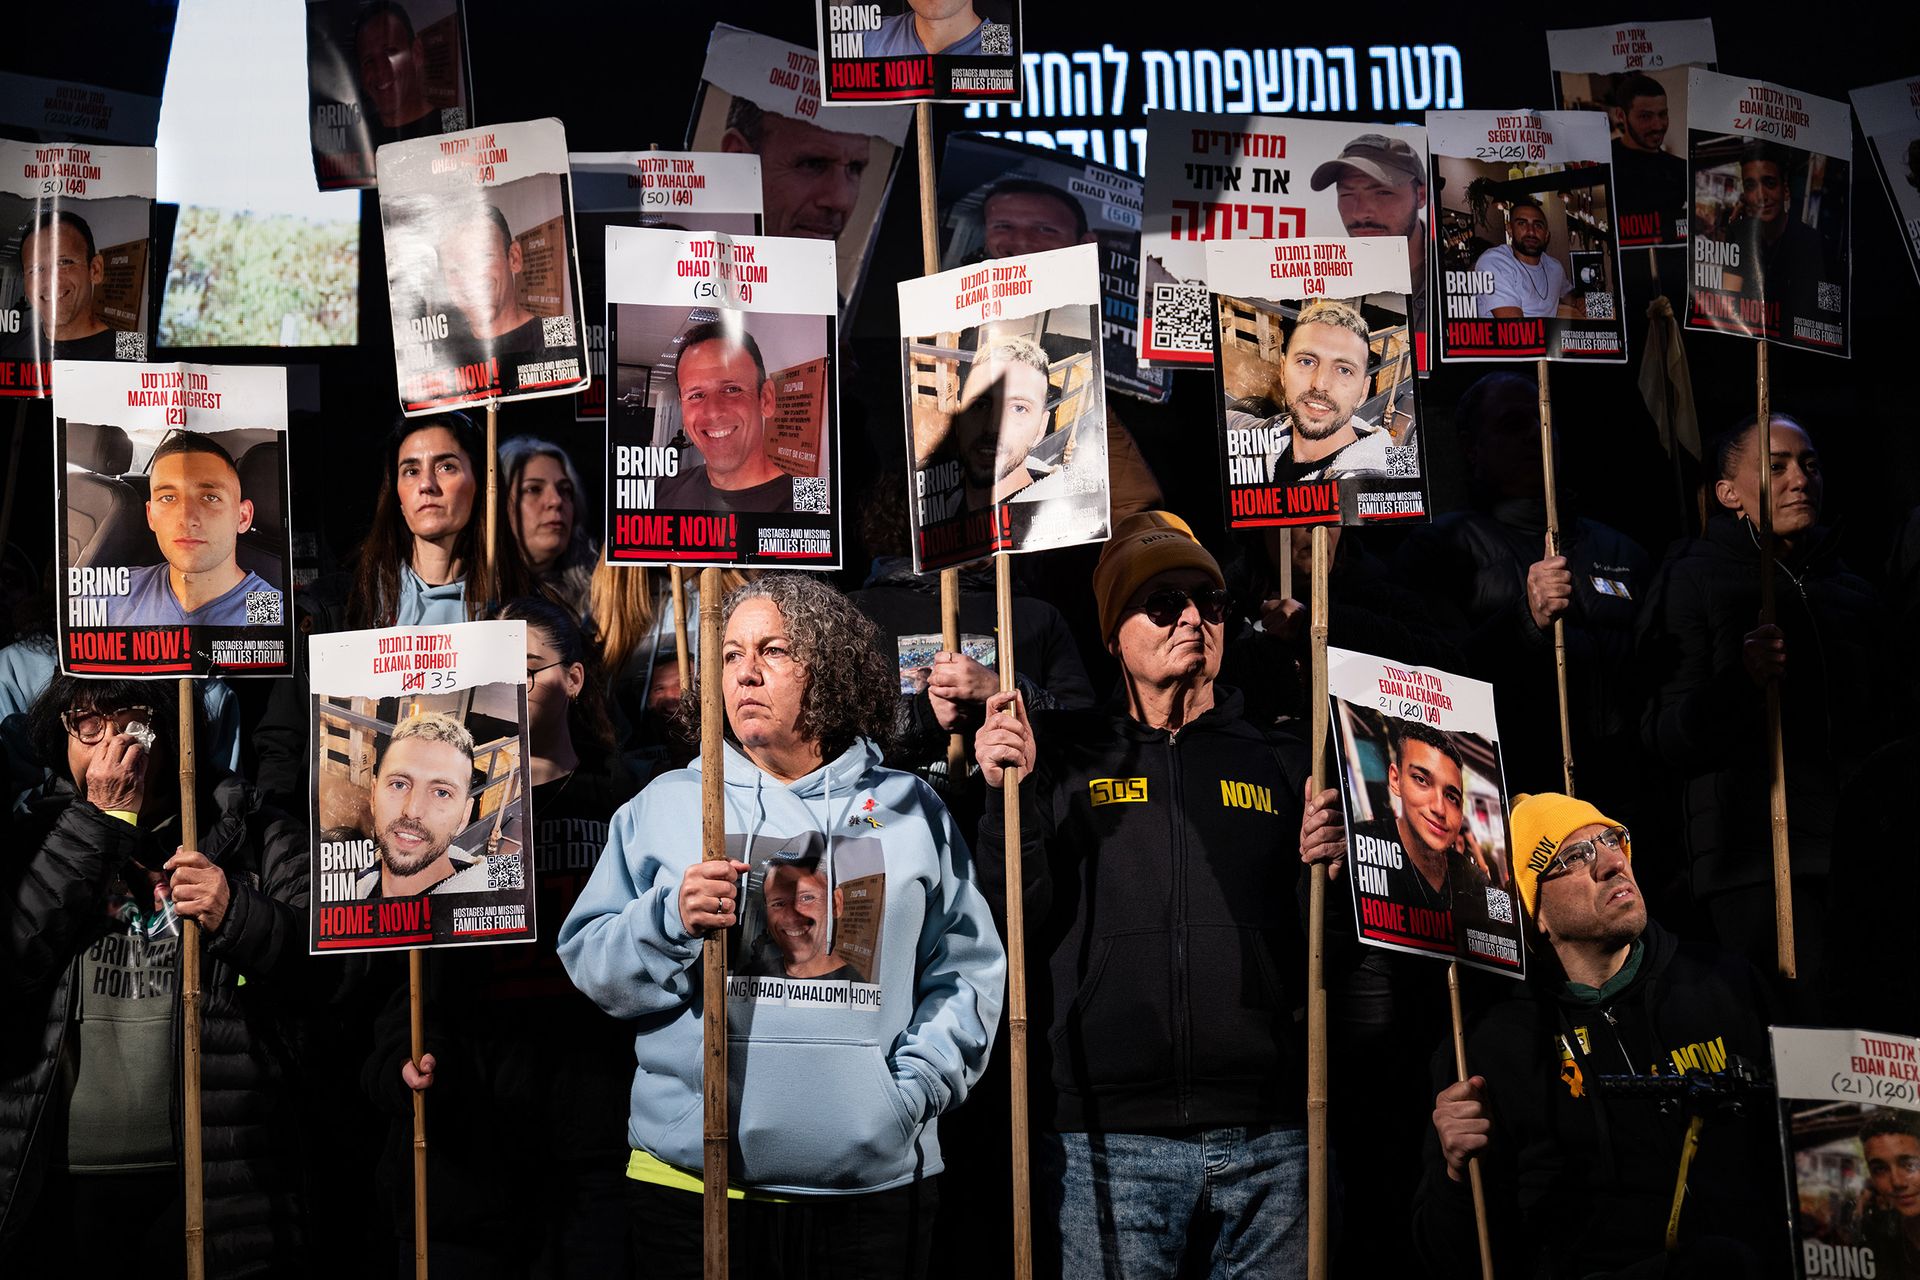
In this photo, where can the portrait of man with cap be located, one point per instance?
(1381, 183)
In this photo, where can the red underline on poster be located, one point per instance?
(25, 393)
(398, 941)
(721, 557)
(1401, 940)
(464, 397)
(880, 95)
(122, 668)
(1461, 353)
(1183, 357)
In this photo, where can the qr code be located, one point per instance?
(129, 346)
(263, 608)
(505, 871)
(557, 331)
(996, 38)
(1828, 296)
(1499, 906)
(452, 119)
(1403, 462)
(1599, 306)
(1180, 319)
(810, 495)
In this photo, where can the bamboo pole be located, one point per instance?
(1553, 549)
(417, 1022)
(713, 820)
(488, 586)
(191, 1131)
(1777, 754)
(1473, 1165)
(679, 579)
(1016, 948)
(1319, 1169)
(949, 578)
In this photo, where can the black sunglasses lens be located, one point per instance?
(1212, 604)
(1163, 608)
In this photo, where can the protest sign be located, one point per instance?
(482, 277)
(174, 532)
(1006, 408)
(1314, 362)
(1529, 269)
(824, 170)
(420, 813)
(679, 190)
(1850, 1133)
(999, 199)
(1636, 72)
(76, 240)
(378, 73)
(1267, 178)
(1428, 851)
(723, 413)
(892, 52)
(96, 75)
(810, 925)
(1890, 117)
(1770, 233)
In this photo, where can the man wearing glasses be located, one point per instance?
(1160, 843)
(1583, 1169)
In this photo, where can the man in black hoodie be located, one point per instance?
(1585, 1085)
(1159, 873)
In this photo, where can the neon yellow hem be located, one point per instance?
(643, 1166)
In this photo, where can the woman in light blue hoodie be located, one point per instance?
(867, 971)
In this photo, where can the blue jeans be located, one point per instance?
(1220, 1203)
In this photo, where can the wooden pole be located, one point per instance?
(1777, 757)
(678, 577)
(1016, 948)
(191, 1132)
(1319, 1168)
(713, 818)
(489, 585)
(417, 1021)
(1473, 1165)
(1553, 549)
(949, 578)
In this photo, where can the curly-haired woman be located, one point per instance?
(835, 1080)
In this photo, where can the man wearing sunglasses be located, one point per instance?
(1161, 845)
(95, 879)
(1581, 1167)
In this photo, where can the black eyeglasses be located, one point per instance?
(1584, 852)
(534, 672)
(1164, 607)
(90, 726)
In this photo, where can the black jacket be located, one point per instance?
(1160, 876)
(1471, 567)
(1707, 719)
(1579, 1177)
(54, 876)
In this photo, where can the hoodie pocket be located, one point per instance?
(1117, 1033)
(1240, 1019)
(818, 1113)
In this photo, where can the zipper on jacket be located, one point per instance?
(1182, 1006)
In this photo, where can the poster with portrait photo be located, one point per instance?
(76, 240)
(420, 786)
(1313, 359)
(1006, 408)
(1850, 1135)
(1215, 177)
(1636, 72)
(723, 412)
(1890, 118)
(1429, 855)
(825, 170)
(1529, 267)
(482, 276)
(810, 925)
(920, 50)
(678, 190)
(999, 199)
(1771, 253)
(381, 71)
(173, 522)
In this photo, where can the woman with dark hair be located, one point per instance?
(527, 1064)
(429, 530)
(94, 882)
(837, 1078)
(549, 520)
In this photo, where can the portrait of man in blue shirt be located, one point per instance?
(928, 26)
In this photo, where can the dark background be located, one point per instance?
(622, 77)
